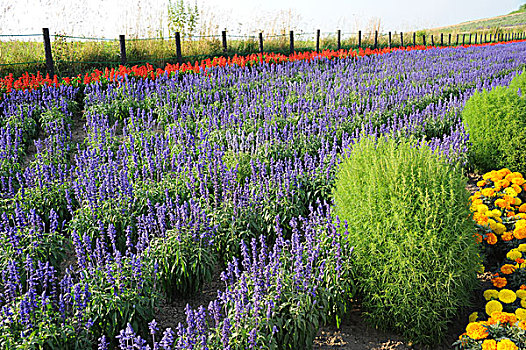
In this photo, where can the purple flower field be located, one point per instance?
(116, 197)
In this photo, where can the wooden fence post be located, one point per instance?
(485, 37)
(178, 47)
(49, 57)
(463, 39)
(123, 49)
(469, 38)
(389, 43)
(318, 41)
(359, 39)
(261, 43)
(339, 35)
(424, 39)
(441, 39)
(449, 40)
(432, 40)
(291, 42)
(375, 39)
(401, 39)
(457, 39)
(223, 34)
(475, 38)
(414, 39)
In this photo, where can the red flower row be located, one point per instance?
(32, 81)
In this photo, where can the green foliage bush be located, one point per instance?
(496, 122)
(415, 255)
(186, 261)
(518, 82)
(51, 196)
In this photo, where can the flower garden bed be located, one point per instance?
(176, 179)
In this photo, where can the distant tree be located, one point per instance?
(182, 17)
(522, 8)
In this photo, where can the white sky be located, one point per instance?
(109, 18)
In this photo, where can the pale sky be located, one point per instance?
(109, 18)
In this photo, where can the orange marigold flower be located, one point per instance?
(499, 282)
(502, 317)
(502, 183)
(481, 183)
(517, 181)
(489, 344)
(520, 233)
(522, 324)
(507, 236)
(506, 344)
(482, 220)
(491, 238)
(475, 330)
(510, 214)
(517, 188)
(489, 174)
(523, 287)
(522, 208)
(501, 203)
(488, 192)
(519, 260)
(507, 269)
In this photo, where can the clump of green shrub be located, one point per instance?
(185, 256)
(496, 122)
(415, 255)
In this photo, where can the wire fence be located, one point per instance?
(67, 55)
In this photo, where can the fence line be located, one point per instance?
(372, 42)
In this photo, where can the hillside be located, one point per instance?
(508, 21)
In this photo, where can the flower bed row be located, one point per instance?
(34, 81)
(499, 210)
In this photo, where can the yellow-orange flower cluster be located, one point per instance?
(500, 214)
(499, 198)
